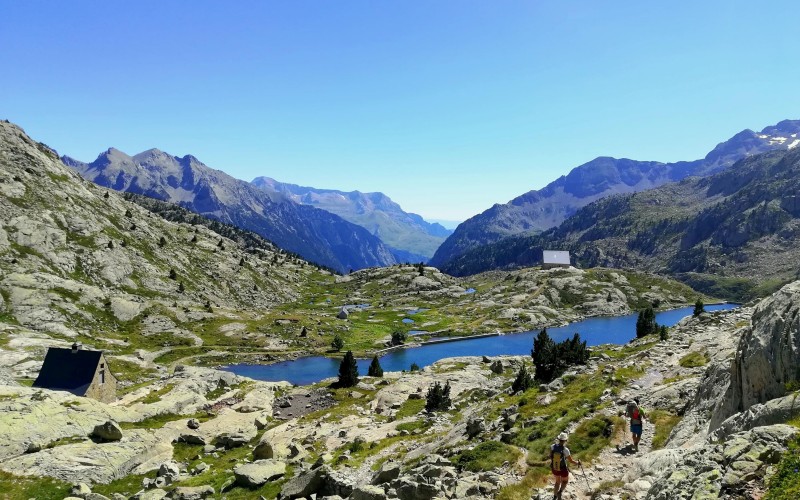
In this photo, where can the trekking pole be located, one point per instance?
(585, 478)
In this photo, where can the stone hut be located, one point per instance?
(79, 371)
(555, 258)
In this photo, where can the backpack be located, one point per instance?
(634, 413)
(558, 461)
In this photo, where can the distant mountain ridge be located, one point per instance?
(734, 234)
(536, 211)
(317, 235)
(376, 212)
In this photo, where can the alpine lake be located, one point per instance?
(595, 331)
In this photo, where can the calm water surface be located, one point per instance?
(596, 331)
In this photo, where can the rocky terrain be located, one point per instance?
(721, 409)
(539, 210)
(409, 235)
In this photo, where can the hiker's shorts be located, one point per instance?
(636, 429)
(560, 473)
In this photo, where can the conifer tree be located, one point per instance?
(348, 371)
(699, 308)
(438, 397)
(337, 343)
(375, 369)
(646, 323)
(523, 382)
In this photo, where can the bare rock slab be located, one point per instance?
(255, 474)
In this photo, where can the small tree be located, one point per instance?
(438, 397)
(523, 382)
(172, 274)
(162, 242)
(337, 343)
(181, 288)
(662, 333)
(110, 245)
(128, 213)
(545, 357)
(398, 338)
(375, 369)
(699, 308)
(421, 269)
(414, 367)
(348, 371)
(646, 323)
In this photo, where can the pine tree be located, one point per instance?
(646, 323)
(181, 288)
(662, 333)
(699, 308)
(414, 367)
(162, 242)
(438, 397)
(375, 369)
(172, 274)
(523, 382)
(398, 338)
(544, 357)
(348, 371)
(337, 343)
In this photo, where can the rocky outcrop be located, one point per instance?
(768, 357)
(712, 470)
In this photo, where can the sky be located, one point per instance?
(448, 107)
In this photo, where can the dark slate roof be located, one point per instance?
(555, 257)
(66, 370)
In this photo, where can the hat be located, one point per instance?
(563, 436)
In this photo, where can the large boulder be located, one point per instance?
(192, 492)
(304, 484)
(109, 431)
(367, 492)
(389, 472)
(257, 473)
(768, 355)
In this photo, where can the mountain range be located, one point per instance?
(733, 234)
(411, 238)
(538, 210)
(317, 235)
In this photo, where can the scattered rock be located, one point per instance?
(193, 423)
(109, 431)
(192, 492)
(257, 473)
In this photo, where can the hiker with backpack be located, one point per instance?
(559, 454)
(637, 416)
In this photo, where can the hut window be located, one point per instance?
(102, 376)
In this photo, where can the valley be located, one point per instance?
(171, 297)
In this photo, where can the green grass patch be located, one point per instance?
(694, 359)
(592, 435)
(158, 421)
(414, 426)
(155, 396)
(535, 477)
(487, 456)
(410, 407)
(25, 488)
(664, 422)
(785, 484)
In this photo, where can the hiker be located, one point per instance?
(637, 416)
(559, 454)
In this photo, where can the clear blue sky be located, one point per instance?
(446, 106)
